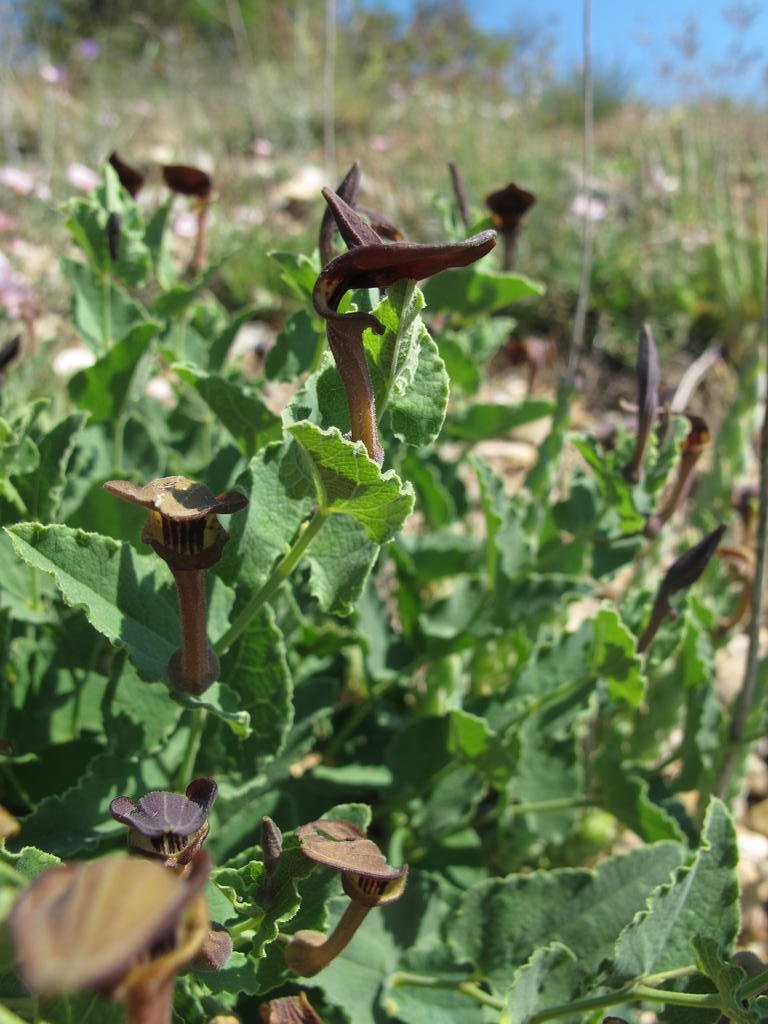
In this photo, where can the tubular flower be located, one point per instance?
(168, 826)
(120, 926)
(366, 877)
(372, 263)
(183, 529)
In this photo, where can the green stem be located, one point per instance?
(117, 445)
(276, 578)
(106, 311)
(635, 992)
(754, 985)
(187, 768)
(357, 716)
(248, 924)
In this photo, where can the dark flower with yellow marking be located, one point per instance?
(183, 528)
(367, 878)
(165, 825)
(508, 206)
(121, 926)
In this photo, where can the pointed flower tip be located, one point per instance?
(684, 572)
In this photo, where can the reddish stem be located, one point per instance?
(195, 666)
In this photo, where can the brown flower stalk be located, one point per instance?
(508, 206)
(694, 444)
(371, 263)
(366, 877)
(682, 574)
(647, 402)
(183, 529)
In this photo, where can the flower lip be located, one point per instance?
(509, 204)
(131, 179)
(177, 498)
(161, 813)
(188, 180)
(84, 925)
(340, 844)
(381, 264)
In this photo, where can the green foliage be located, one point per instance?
(456, 646)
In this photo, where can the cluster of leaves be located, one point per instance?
(416, 646)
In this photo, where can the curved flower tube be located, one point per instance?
(371, 263)
(366, 877)
(183, 529)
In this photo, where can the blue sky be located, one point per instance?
(634, 35)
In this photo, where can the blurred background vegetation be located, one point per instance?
(245, 88)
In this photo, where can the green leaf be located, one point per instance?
(502, 922)
(102, 311)
(482, 420)
(702, 899)
(620, 495)
(408, 374)
(296, 347)
(549, 978)
(299, 272)
(347, 481)
(104, 389)
(240, 409)
(614, 658)
(340, 560)
(476, 289)
(626, 795)
(417, 413)
(257, 671)
(41, 491)
(126, 597)
(79, 818)
(279, 501)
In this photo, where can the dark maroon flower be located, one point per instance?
(289, 1010)
(372, 263)
(508, 206)
(683, 573)
(168, 825)
(131, 179)
(191, 181)
(187, 180)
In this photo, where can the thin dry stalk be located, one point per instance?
(582, 303)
